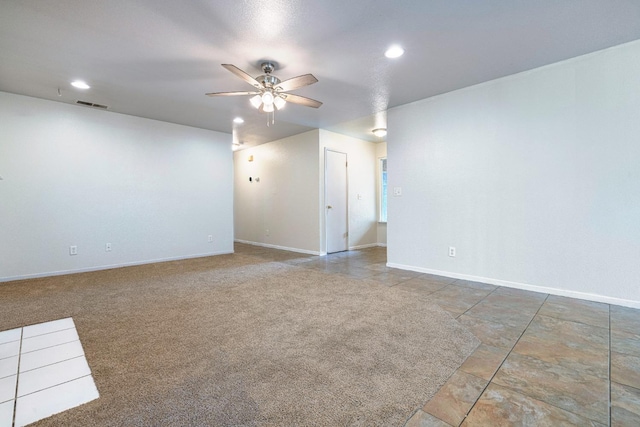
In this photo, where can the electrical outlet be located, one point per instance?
(210, 238)
(73, 250)
(107, 247)
(266, 232)
(452, 251)
(397, 191)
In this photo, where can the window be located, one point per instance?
(383, 190)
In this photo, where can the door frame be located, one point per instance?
(324, 205)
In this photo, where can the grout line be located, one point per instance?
(485, 297)
(530, 397)
(8, 342)
(439, 419)
(55, 363)
(8, 357)
(56, 385)
(410, 416)
(395, 284)
(48, 333)
(15, 396)
(572, 321)
(51, 346)
(504, 360)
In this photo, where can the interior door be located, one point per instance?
(336, 191)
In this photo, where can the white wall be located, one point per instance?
(288, 201)
(534, 178)
(361, 176)
(78, 176)
(281, 210)
(381, 152)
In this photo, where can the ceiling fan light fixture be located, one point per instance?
(267, 108)
(279, 102)
(267, 98)
(380, 132)
(256, 101)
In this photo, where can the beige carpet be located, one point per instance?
(233, 340)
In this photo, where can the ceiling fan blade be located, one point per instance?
(296, 82)
(244, 76)
(231, 93)
(297, 99)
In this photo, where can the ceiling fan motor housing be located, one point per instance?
(267, 80)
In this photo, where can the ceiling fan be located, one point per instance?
(270, 92)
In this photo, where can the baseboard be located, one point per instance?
(107, 267)
(523, 286)
(368, 245)
(283, 248)
(383, 245)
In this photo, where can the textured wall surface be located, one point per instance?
(534, 178)
(286, 208)
(83, 177)
(279, 206)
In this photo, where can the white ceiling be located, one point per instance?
(157, 58)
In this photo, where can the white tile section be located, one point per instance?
(8, 388)
(9, 349)
(8, 366)
(50, 355)
(36, 406)
(49, 340)
(6, 414)
(10, 335)
(52, 375)
(47, 327)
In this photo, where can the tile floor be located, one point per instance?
(43, 371)
(544, 360)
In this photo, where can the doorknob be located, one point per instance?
(329, 207)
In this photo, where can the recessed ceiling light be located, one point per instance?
(238, 120)
(394, 51)
(80, 84)
(380, 132)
